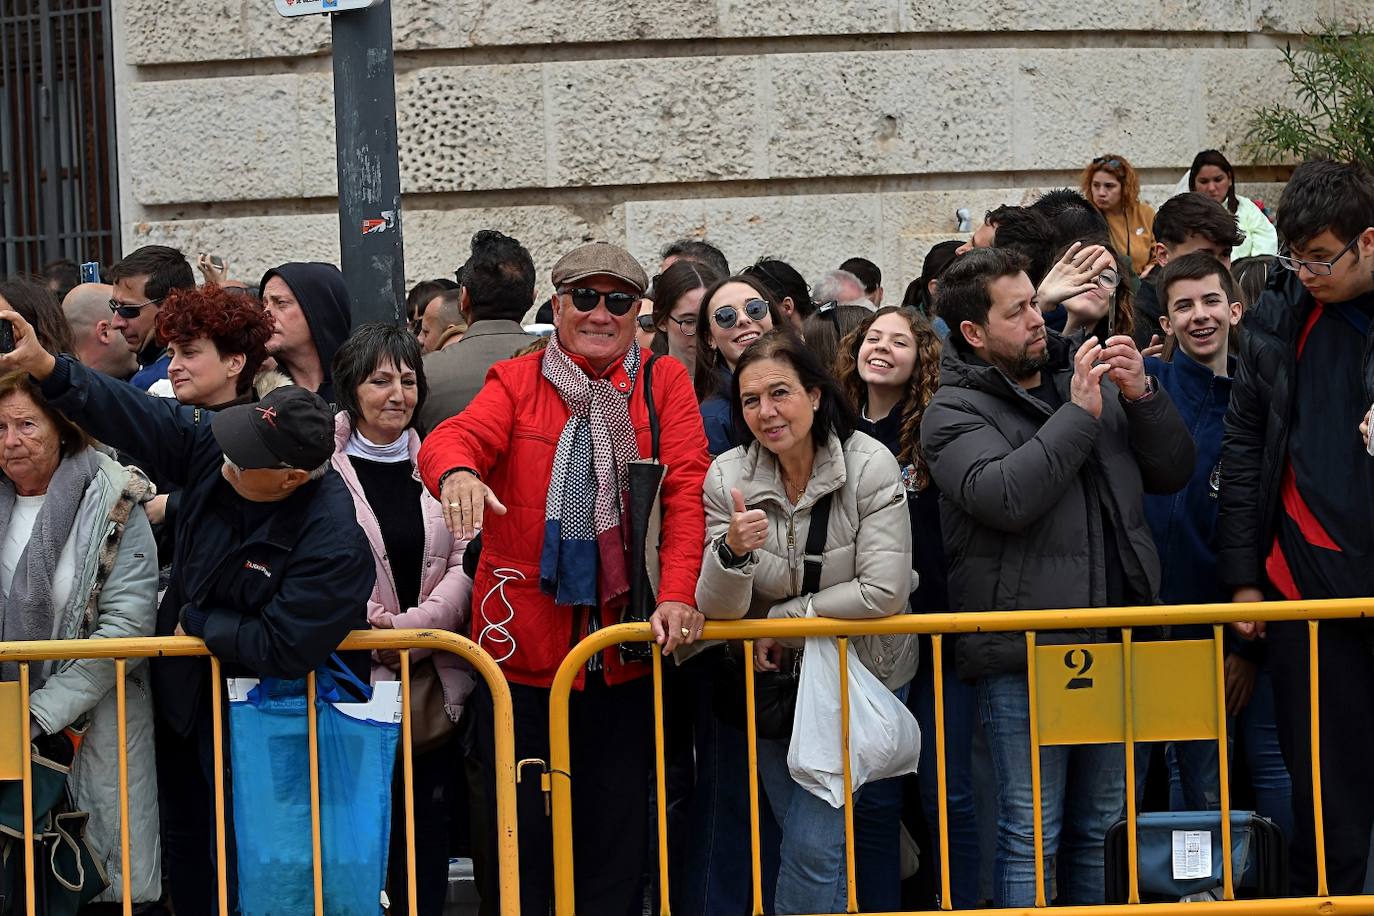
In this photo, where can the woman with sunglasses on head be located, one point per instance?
(1211, 174)
(679, 291)
(734, 313)
(890, 367)
(1114, 188)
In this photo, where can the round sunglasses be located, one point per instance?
(618, 304)
(727, 315)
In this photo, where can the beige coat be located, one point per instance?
(866, 570)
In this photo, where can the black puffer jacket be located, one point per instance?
(1255, 447)
(1020, 489)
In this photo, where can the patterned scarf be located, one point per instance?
(583, 562)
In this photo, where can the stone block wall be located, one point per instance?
(812, 130)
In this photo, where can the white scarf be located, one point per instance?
(359, 446)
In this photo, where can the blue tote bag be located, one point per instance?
(270, 754)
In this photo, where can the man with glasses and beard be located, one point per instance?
(141, 281)
(1042, 456)
(537, 463)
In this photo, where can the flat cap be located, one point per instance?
(599, 259)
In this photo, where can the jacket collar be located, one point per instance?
(489, 326)
(761, 475)
(959, 370)
(1194, 378)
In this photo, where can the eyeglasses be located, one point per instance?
(1110, 163)
(618, 304)
(646, 323)
(1108, 279)
(727, 315)
(688, 325)
(130, 312)
(1317, 268)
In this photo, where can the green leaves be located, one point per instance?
(1332, 114)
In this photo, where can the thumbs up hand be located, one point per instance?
(748, 527)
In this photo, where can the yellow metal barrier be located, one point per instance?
(1078, 695)
(15, 762)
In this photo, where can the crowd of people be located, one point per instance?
(1086, 404)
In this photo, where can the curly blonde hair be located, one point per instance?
(1118, 167)
(925, 378)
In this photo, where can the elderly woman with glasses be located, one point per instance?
(734, 313)
(1114, 188)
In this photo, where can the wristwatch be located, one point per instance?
(728, 558)
(1150, 388)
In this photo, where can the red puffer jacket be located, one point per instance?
(509, 434)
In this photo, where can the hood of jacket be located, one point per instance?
(966, 370)
(323, 297)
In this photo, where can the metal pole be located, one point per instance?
(368, 164)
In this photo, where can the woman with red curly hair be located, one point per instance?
(217, 340)
(1114, 188)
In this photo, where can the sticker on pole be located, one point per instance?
(315, 7)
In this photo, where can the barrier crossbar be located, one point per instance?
(1134, 715)
(403, 641)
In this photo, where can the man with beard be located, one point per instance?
(1042, 456)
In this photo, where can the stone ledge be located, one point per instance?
(157, 33)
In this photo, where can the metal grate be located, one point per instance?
(59, 195)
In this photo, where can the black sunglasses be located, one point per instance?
(618, 304)
(646, 323)
(727, 315)
(1109, 163)
(130, 312)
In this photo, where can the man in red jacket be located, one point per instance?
(537, 463)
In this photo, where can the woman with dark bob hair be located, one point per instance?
(800, 455)
(733, 313)
(217, 341)
(379, 379)
(1211, 174)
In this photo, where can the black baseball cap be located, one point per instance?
(289, 428)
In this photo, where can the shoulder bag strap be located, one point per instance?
(815, 545)
(649, 402)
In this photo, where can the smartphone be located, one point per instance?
(6, 336)
(90, 272)
(216, 262)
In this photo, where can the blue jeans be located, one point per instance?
(717, 877)
(1083, 792)
(1194, 774)
(812, 873)
(1268, 773)
(961, 714)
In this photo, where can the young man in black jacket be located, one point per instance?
(1042, 456)
(270, 568)
(1297, 497)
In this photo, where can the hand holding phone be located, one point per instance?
(6, 336)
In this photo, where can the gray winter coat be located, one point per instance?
(866, 571)
(84, 691)
(1020, 489)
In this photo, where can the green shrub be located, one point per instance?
(1332, 80)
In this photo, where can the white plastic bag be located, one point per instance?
(884, 739)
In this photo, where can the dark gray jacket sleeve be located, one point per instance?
(1004, 488)
(1161, 442)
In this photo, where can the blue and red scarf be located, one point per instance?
(583, 561)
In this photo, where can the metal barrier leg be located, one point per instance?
(751, 736)
(121, 710)
(1319, 826)
(1128, 699)
(1223, 765)
(1037, 819)
(408, 782)
(660, 783)
(941, 779)
(314, 735)
(30, 903)
(851, 892)
(221, 844)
